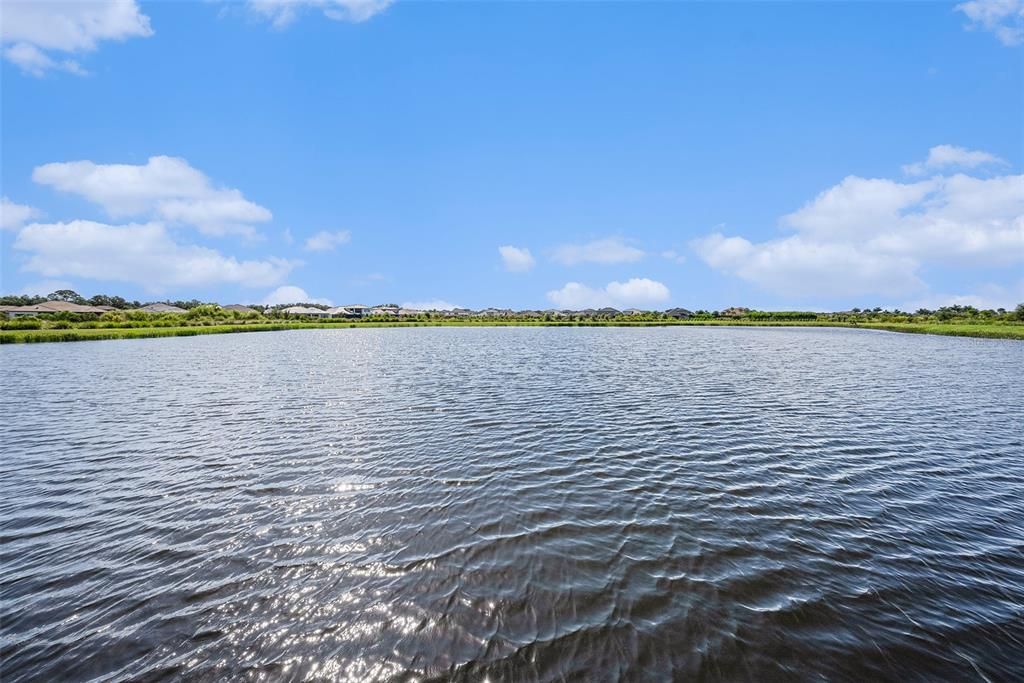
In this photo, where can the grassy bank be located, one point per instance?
(987, 330)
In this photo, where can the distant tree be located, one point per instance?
(69, 295)
(104, 300)
(1018, 313)
(20, 300)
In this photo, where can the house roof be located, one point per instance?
(163, 308)
(302, 310)
(239, 307)
(56, 307)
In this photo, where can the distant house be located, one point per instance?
(495, 313)
(632, 311)
(52, 307)
(608, 312)
(307, 311)
(352, 311)
(162, 308)
(678, 313)
(735, 312)
(406, 312)
(385, 309)
(239, 308)
(356, 310)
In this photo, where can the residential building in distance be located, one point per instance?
(53, 307)
(162, 308)
(307, 311)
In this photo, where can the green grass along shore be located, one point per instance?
(993, 330)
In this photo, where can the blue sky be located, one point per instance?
(529, 155)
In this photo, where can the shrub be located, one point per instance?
(23, 324)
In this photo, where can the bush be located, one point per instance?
(22, 324)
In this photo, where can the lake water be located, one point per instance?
(514, 504)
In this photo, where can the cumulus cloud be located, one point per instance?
(290, 294)
(990, 295)
(13, 216)
(328, 241)
(872, 236)
(516, 259)
(609, 250)
(142, 254)
(636, 292)
(433, 305)
(673, 255)
(951, 156)
(1004, 18)
(45, 287)
(39, 36)
(164, 187)
(797, 266)
(281, 13)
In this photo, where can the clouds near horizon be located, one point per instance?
(164, 188)
(874, 235)
(635, 292)
(141, 254)
(290, 294)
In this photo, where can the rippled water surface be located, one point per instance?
(514, 504)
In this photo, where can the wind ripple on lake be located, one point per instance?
(514, 504)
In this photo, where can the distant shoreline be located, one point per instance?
(982, 330)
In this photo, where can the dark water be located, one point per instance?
(514, 504)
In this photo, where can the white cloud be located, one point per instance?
(290, 294)
(164, 187)
(32, 30)
(951, 156)
(636, 292)
(13, 216)
(1004, 18)
(872, 235)
(609, 250)
(673, 255)
(143, 254)
(516, 259)
(797, 266)
(328, 241)
(45, 287)
(281, 13)
(35, 62)
(433, 305)
(989, 295)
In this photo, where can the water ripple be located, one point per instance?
(532, 504)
